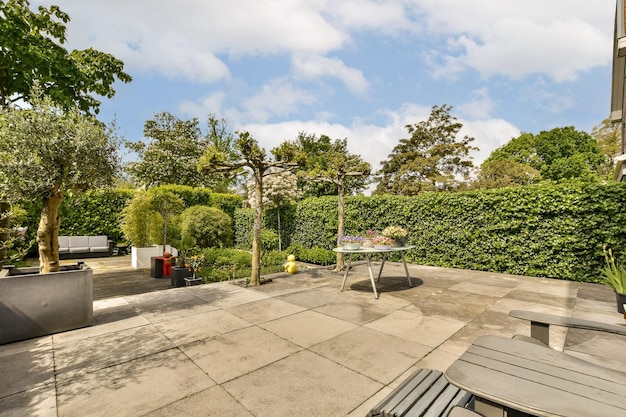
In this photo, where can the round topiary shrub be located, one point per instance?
(206, 227)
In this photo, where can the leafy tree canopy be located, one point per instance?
(31, 52)
(560, 153)
(174, 149)
(609, 138)
(505, 173)
(323, 164)
(432, 159)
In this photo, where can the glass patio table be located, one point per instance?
(367, 253)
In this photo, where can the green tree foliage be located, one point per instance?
(206, 227)
(311, 153)
(167, 204)
(608, 136)
(44, 153)
(31, 53)
(141, 225)
(432, 159)
(505, 173)
(174, 148)
(560, 153)
(328, 162)
(254, 158)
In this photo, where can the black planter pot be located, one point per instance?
(621, 300)
(178, 276)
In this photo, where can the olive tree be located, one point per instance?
(46, 152)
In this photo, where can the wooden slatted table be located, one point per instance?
(507, 373)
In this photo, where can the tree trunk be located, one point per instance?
(5, 223)
(280, 240)
(255, 275)
(340, 226)
(48, 234)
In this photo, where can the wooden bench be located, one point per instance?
(426, 393)
(540, 324)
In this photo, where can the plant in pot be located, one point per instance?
(382, 242)
(181, 270)
(350, 242)
(615, 277)
(397, 233)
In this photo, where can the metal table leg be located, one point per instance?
(369, 267)
(380, 271)
(406, 269)
(345, 275)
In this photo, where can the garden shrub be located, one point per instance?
(141, 225)
(206, 227)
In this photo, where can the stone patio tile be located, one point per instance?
(605, 311)
(559, 288)
(368, 351)
(282, 284)
(311, 298)
(234, 296)
(461, 306)
(411, 324)
(307, 328)
(200, 326)
(438, 359)
(37, 401)
(366, 407)
(213, 402)
(132, 388)
(109, 349)
(483, 289)
(505, 305)
(320, 387)
(238, 353)
(26, 364)
(167, 305)
(545, 298)
(361, 309)
(264, 310)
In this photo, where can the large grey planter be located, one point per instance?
(33, 304)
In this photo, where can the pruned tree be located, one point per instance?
(253, 158)
(168, 205)
(31, 53)
(279, 190)
(433, 158)
(46, 152)
(336, 166)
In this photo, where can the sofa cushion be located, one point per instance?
(64, 244)
(79, 244)
(98, 244)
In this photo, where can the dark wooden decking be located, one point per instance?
(114, 277)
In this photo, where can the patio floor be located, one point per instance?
(293, 347)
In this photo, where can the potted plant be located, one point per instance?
(615, 277)
(382, 242)
(397, 233)
(367, 238)
(350, 242)
(180, 271)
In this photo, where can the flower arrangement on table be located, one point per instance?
(350, 242)
(395, 232)
(382, 242)
(368, 235)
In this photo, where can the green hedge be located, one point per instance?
(543, 230)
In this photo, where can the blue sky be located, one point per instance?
(355, 69)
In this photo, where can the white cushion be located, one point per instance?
(98, 242)
(64, 244)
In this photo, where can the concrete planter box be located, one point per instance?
(140, 256)
(33, 304)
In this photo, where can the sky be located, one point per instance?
(355, 69)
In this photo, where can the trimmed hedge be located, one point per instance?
(547, 230)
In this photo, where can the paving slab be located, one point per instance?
(264, 310)
(212, 402)
(369, 351)
(318, 387)
(25, 365)
(237, 353)
(37, 401)
(132, 388)
(200, 326)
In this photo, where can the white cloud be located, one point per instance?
(480, 106)
(314, 67)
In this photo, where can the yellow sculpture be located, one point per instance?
(291, 266)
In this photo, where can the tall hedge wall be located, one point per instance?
(545, 230)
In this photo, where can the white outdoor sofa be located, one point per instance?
(84, 246)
